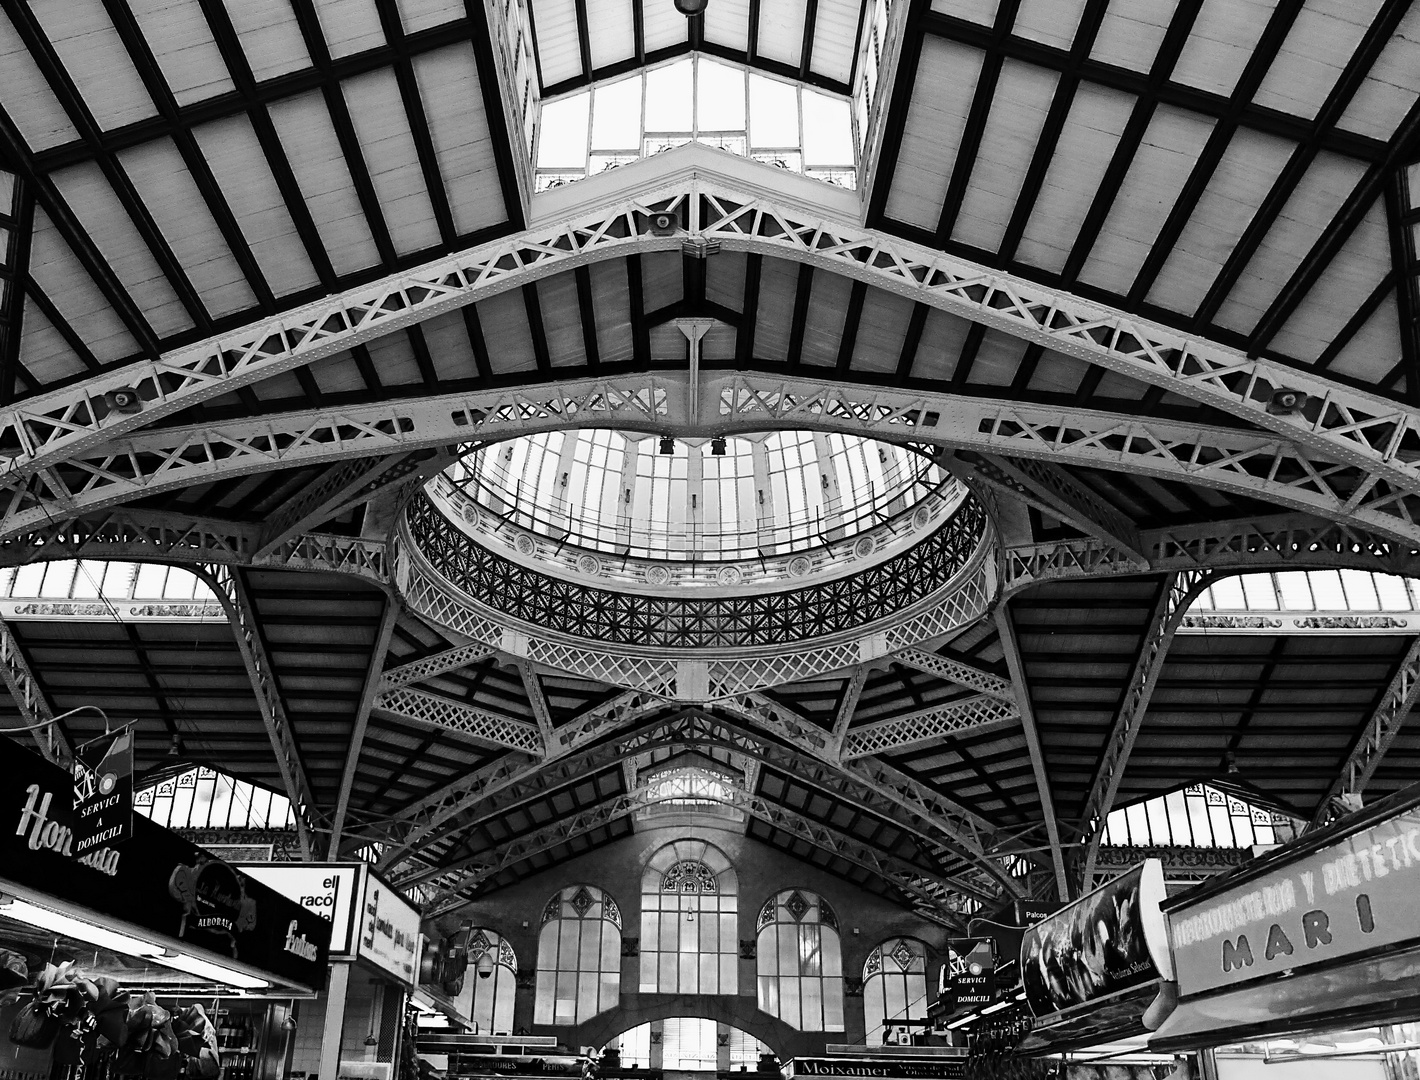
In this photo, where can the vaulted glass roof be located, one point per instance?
(702, 499)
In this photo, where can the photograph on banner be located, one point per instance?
(1103, 943)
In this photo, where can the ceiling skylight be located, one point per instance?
(702, 499)
(696, 99)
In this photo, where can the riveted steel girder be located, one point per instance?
(1346, 428)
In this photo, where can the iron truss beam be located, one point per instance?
(1256, 464)
(932, 898)
(956, 671)
(342, 486)
(487, 729)
(1055, 491)
(1268, 542)
(1176, 594)
(1357, 444)
(984, 712)
(956, 835)
(460, 656)
(30, 699)
(159, 536)
(231, 591)
(1377, 734)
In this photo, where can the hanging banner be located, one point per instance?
(1355, 895)
(103, 792)
(389, 931)
(164, 886)
(968, 978)
(331, 890)
(1108, 941)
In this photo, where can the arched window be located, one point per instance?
(894, 985)
(490, 983)
(689, 921)
(578, 956)
(800, 962)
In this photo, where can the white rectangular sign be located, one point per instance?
(330, 890)
(389, 931)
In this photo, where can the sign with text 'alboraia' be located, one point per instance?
(1355, 895)
(889, 1068)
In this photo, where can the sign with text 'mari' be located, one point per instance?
(1355, 895)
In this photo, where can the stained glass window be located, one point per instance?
(490, 983)
(800, 961)
(894, 985)
(689, 921)
(578, 956)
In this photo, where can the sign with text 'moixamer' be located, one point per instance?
(1360, 893)
(889, 1068)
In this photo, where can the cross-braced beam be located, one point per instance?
(983, 712)
(480, 726)
(852, 691)
(963, 674)
(1351, 431)
(1176, 593)
(1377, 734)
(231, 591)
(460, 656)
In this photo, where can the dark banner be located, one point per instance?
(968, 977)
(1107, 941)
(891, 1068)
(1007, 926)
(103, 792)
(156, 880)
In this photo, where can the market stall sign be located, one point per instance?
(389, 931)
(968, 978)
(330, 890)
(1104, 943)
(1356, 895)
(157, 882)
(103, 792)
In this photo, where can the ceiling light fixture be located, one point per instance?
(206, 969)
(717, 447)
(667, 444)
(56, 922)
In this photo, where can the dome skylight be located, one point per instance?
(697, 99)
(706, 499)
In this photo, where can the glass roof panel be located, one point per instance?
(703, 499)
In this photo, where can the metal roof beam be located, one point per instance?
(1341, 426)
(480, 726)
(31, 700)
(1256, 464)
(1007, 631)
(231, 590)
(368, 692)
(957, 671)
(460, 656)
(1377, 734)
(983, 712)
(1176, 593)
(847, 706)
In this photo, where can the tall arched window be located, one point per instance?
(894, 985)
(689, 921)
(800, 961)
(578, 956)
(490, 983)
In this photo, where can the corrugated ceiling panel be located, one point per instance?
(463, 146)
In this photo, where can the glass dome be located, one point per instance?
(739, 497)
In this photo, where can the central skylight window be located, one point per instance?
(696, 99)
(702, 499)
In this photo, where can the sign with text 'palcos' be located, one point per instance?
(1358, 894)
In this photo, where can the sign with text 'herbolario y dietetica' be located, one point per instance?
(1358, 894)
(330, 890)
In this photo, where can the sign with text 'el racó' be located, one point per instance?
(1359, 894)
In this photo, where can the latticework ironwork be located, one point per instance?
(800, 614)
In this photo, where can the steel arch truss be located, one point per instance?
(1349, 427)
(1260, 464)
